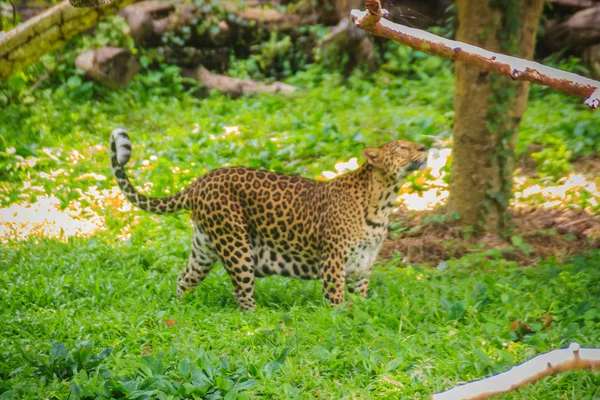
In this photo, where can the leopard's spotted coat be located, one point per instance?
(261, 223)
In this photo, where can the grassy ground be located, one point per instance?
(97, 316)
(421, 330)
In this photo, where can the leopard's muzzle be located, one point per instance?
(417, 165)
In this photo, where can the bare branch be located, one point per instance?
(539, 367)
(373, 22)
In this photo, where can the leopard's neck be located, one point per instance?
(377, 192)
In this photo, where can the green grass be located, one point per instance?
(419, 331)
(98, 316)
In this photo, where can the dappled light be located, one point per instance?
(228, 131)
(430, 189)
(423, 191)
(46, 217)
(573, 190)
(427, 190)
(341, 168)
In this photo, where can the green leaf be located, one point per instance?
(75, 390)
(590, 314)
(58, 351)
(247, 384)
(320, 353)
(517, 240)
(393, 364)
(276, 364)
(457, 310)
(483, 357)
(185, 367)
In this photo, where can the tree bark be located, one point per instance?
(29, 41)
(488, 110)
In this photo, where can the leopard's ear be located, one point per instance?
(373, 156)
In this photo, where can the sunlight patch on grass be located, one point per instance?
(228, 131)
(572, 189)
(46, 218)
(429, 188)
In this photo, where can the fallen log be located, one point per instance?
(112, 66)
(572, 3)
(516, 68)
(27, 42)
(149, 21)
(581, 30)
(235, 87)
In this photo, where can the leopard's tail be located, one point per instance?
(120, 152)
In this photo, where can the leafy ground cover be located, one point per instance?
(88, 306)
(98, 318)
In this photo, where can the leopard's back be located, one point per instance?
(283, 216)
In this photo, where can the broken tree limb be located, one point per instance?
(236, 87)
(27, 42)
(373, 22)
(573, 358)
(113, 66)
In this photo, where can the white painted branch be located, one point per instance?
(373, 22)
(550, 363)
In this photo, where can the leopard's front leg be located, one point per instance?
(332, 272)
(359, 282)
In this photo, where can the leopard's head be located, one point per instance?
(397, 159)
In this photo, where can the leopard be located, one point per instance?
(259, 223)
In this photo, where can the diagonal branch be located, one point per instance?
(373, 22)
(539, 367)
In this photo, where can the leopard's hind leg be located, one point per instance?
(233, 247)
(200, 262)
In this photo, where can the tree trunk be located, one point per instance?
(488, 109)
(27, 42)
